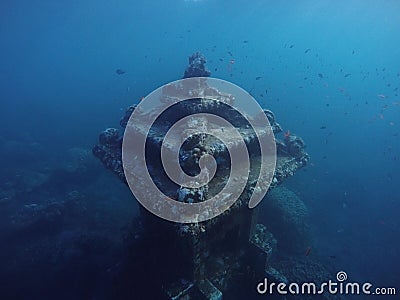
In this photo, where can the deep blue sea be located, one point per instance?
(329, 70)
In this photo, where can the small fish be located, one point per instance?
(322, 127)
(391, 123)
(291, 46)
(266, 91)
(232, 61)
(258, 77)
(382, 96)
(221, 59)
(287, 134)
(353, 52)
(347, 75)
(120, 71)
(381, 116)
(320, 75)
(245, 42)
(308, 251)
(230, 53)
(307, 50)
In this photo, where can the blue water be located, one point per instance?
(59, 89)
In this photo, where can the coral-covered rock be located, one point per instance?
(196, 66)
(38, 218)
(286, 218)
(295, 145)
(109, 136)
(78, 160)
(124, 120)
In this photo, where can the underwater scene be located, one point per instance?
(200, 149)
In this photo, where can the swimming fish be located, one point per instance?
(347, 75)
(308, 251)
(120, 71)
(307, 50)
(258, 77)
(320, 75)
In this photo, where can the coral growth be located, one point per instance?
(286, 217)
(196, 67)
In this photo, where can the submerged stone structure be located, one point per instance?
(213, 258)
